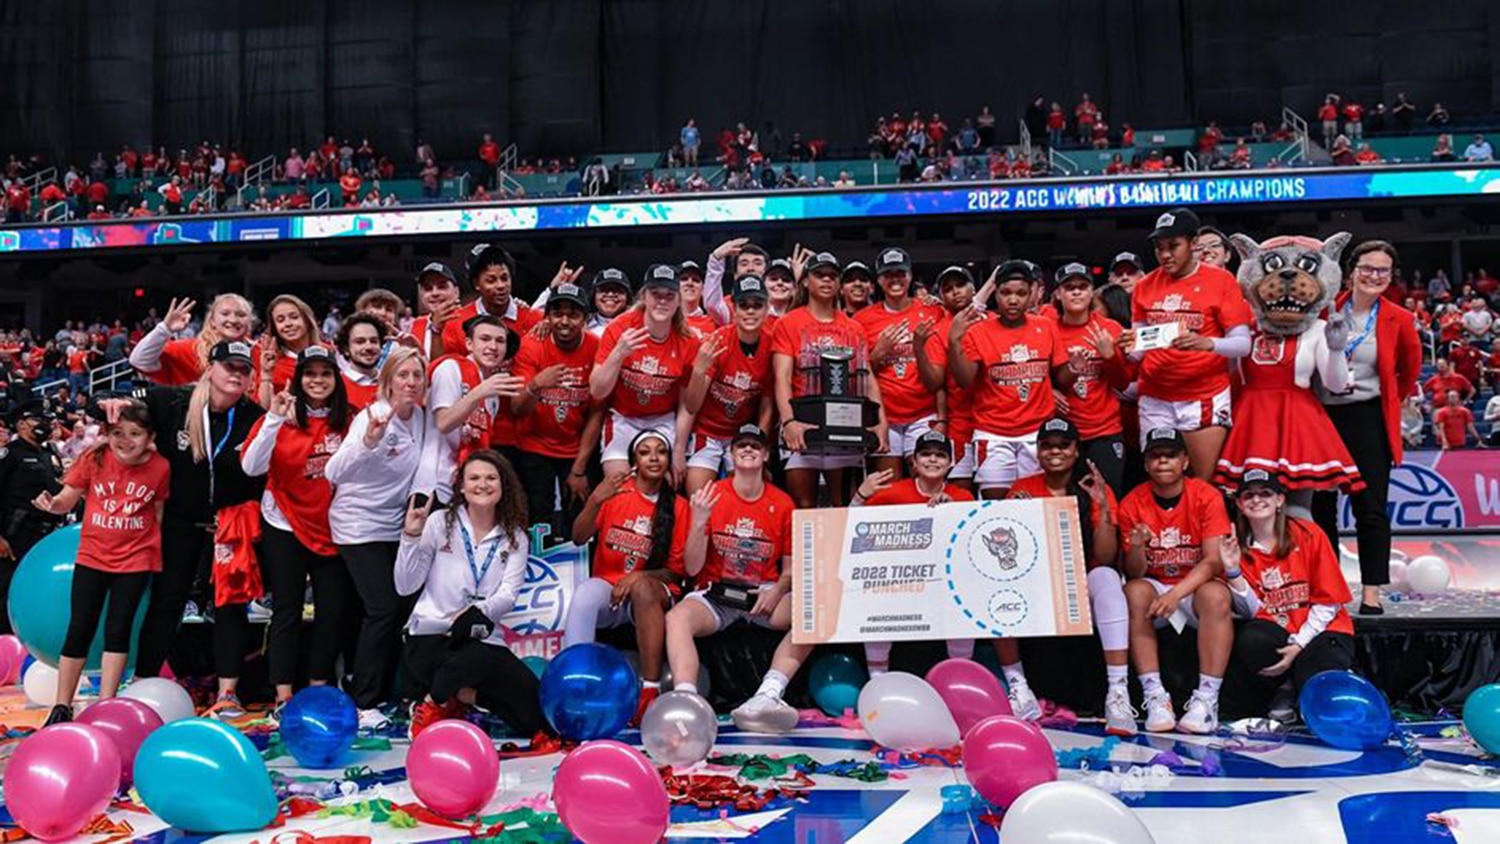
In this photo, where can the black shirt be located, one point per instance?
(190, 480)
(25, 471)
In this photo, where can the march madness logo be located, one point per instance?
(902, 535)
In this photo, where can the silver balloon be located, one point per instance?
(679, 729)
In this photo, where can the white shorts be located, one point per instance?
(963, 467)
(706, 452)
(1238, 607)
(903, 437)
(725, 616)
(620, 430)
(1001, 461)
(1185, 415)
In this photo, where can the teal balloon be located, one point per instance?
(1346, 711)
(41, 594)
(835, 680)
(1482, 717)
(203, 776)
(537, 664)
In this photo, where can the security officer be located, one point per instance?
(29, 467)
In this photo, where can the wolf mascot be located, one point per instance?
(1280, 425)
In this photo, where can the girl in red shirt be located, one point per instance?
(173, 363)
(292, 328)
(125, 484)
(302, 429)
(1296, 593)
(1092, 403)
(638, 526)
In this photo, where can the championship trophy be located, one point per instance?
(842, 414)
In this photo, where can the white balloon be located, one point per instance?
(1428, 574)
(1071, 813)
(901, 710)
(171, 701)
(1398, 575)
(40, 684)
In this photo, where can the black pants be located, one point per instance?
(544, 479)
(372, 567)
(1256, 642)
(288, 564)
(23, 531)
(1362, 427)
(501, 681)
(90, 587)
(184, 547)
(1108, 454)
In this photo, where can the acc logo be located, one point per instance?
(1420, 499)
(1008, 608)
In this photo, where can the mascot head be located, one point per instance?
(1289, 280)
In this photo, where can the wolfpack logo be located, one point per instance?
(640, 526)
(1019, 353)
(1272, 579)
(1268, 350)
(1171, 302)
(560, 413)
(1001, 542)
(1170, 538)
(741, 381)
(745, 528)
(650, 365)
(223, 553)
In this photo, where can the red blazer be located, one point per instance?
(1398, 362)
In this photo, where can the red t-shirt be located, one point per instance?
(281, 373)
(1455, 422)
(703, 324)
(295, 479)
(1466, 361)
(651, 378)
(1290, 585)
(490, 153)
(1092, 405)
(1035, 486)
(1208, 302)
(736, 383)
(747, 540)
(1178, 534)
(905, 491)
(120, 532)
(624, 540)
(455, 342)
(1328, 111)
(1438, 386)
(960, 403)
(1353, 111)
(361, 396)
(180, 364)
(554, 425)
(901, 390)
(1012, 391)
(803, 337)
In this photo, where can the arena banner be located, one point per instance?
(1441, 491)
(534, 627)
(717, 209)
(964, 570)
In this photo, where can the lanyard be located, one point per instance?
(475, 570)
(218, 447)
(1369, 326)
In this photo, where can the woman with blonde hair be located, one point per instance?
(173, 363)
(386, 459)
(291, 327)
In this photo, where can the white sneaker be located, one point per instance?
(373, 719)
(1119, 715)
(1159, 717)
(1023, 703)
(1201, 716)
(763, 713)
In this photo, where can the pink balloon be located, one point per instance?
(12, 657)
(606, 791)
(61, 778)
(1004, 756)
(127, 722)
(970, 690)
(453, 768)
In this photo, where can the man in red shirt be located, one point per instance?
(361, 345)
(1186, 385)
(469, 394)
(17, 202)
(1354, 121)
(555, 431)
(489, 162)
(1444, 381)
(1453, 423)
(492, 271)
(1466, 360)
(438, 295)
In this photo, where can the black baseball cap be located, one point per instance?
(689, 267)
(1260, 478)
(661, 275)
(891, 260)
(1126, 258)
(933, 440)
(1058, 427)
(488, 254)
(1018, 268)
(748, 287)
(780, 265)
(854, 268)
(1164, 438)
(823, 259)
(749, 431)
(437, 268)
(1071, 270)
(1179, 222)
(610, 275)
(312, 353)
(34, 410)
(568, 292)
(231, 351)
(955, 271)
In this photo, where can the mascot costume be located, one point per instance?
(1280, 425)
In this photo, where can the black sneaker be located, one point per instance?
(60, 714)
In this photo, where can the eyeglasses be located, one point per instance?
(1373, 272)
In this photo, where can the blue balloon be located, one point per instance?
(589, 691)
(1346, 711)
(1482, 716)
(537, 664)
(203, 776)
(318, 727)
(835, 680)
(41, 595)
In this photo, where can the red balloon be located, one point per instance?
(608, 793)
(12, 657)
(127, 722)
(970, 690)
(453, 768)
(60, 778)
(1004, 756)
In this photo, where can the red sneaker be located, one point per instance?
(424, 715)
(648, 694)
